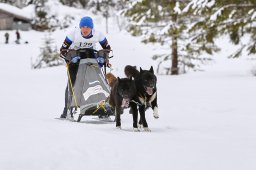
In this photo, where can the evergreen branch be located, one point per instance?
(239, 6)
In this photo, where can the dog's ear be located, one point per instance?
(151, 69)
(141, 70)
(118, 79)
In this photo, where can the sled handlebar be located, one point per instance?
(104, 51)
(84, 49)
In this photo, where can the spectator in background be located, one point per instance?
(17, 37)
(6, 37)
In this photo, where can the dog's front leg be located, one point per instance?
(134, 116)
(118, 112)
(143, 118)
(154, 107)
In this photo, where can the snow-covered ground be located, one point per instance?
(207, 119)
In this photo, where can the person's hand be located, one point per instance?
(75, 59)
(63, 53)
(100, 61)
(107, 59)
(107, 63)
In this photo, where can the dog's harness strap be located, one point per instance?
(136, 102)
(101, 105)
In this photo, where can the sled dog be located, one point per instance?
(122, 91)
(146, 94)
(111, 79)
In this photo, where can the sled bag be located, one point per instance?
(90, 86)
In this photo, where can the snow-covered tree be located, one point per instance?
(41, 21)
(236, 18)
(107, 8)
(7, 1)
(47, 19)
(162, 22)
(76, 3)
(49, 55)
(17, 3)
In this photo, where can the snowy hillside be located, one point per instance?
(207, 119)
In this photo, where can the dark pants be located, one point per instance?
(72, 68)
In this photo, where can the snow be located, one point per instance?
(200, 4)
(177, 8)
(216, 14)
(253, 15)
(58, 10)
(14, 10)
(207, 119)
(29, 10)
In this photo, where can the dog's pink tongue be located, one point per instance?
(125, 103)
(149, 91)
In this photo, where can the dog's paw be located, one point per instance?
(156, 116)
(118, 127)
(155, 113)
(146, 129)
(140, 126)
(70, 117)
(136, 130)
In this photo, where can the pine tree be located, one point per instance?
(236, 18)
(105, 7)
(76, 3)
(41, 21)
(7, 1)
(162, 22)
(49, 55)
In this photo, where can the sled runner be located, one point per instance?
(90, 90)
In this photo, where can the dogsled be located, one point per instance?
(88, 94)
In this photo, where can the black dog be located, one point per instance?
(146, 95)
(122, 91)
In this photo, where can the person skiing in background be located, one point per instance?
(84, 36)
(6, 35)
(17, 37)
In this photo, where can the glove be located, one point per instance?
(75, 59)
(100, 61)
(63, 55)
(107, 59)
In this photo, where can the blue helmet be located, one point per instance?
(86, 22)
